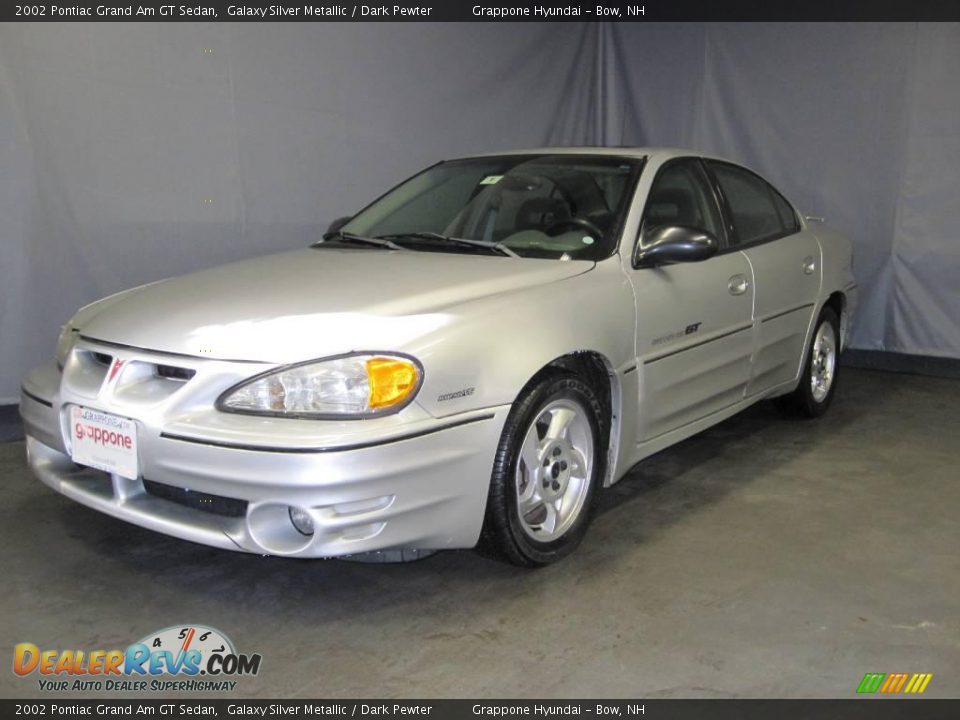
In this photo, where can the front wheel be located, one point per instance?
(819, 379)
(547, 467)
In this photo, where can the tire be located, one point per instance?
(538, 515)
(818, 382)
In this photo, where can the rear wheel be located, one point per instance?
(547, 467)
(819, 379)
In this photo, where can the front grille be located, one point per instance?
(172, 372)
(213, 504)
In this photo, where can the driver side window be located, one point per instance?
(681, 195)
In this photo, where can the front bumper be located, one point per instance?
(417, 484)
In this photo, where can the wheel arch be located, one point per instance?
(837, 301)
(595, 369)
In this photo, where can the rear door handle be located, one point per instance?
(809, 265)
(738, 284)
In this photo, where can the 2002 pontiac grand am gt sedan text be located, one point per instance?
(468, 359)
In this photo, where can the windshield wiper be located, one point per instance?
(448, 238)
(342, 236)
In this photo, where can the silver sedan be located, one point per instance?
(469, 359)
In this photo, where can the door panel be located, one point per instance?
(694, 340)
(787, 276)
(785, 260)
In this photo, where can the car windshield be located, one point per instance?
(567, 207)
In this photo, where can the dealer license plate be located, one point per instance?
(104, 441)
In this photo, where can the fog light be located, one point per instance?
(301, 520)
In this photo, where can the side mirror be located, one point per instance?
(674, 244)
(338, 223)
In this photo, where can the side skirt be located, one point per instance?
(661, 442)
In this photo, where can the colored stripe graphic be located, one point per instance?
(893, 683)
(871, 682)
(918, 683)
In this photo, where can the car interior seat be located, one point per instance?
(671, 206)
(541, 213)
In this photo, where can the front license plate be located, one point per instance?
(104, 441)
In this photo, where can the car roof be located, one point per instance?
(659, 153)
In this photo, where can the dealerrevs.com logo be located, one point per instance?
(179, 658)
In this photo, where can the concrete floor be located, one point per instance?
(765, 557)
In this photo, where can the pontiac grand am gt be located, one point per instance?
(466, 360)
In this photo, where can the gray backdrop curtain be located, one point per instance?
(857, 123)
(134, 152)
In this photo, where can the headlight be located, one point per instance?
(68, 336)
(362, 385)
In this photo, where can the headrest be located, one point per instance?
(541, 213)
(671, 207)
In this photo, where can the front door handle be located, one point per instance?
(738, 284)
(809, 265)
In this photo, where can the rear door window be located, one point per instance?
(758, 211)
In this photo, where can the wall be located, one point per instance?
(135, 152)
(132, 153)
(856, 123)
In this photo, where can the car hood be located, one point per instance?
(310, 303)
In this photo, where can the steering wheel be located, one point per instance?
(575, 222)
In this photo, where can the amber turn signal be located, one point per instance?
(391, 381)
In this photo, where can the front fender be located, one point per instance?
(490, 348)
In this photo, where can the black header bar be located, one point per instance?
(855, 709)
(472, 10)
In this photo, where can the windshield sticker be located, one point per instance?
(586, 240)
(491, 179)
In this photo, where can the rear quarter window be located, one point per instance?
(788, 216)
